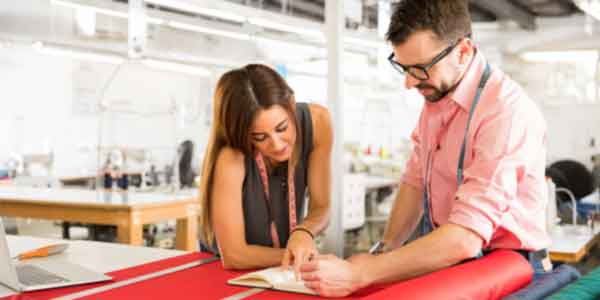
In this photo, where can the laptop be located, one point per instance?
(41, 274)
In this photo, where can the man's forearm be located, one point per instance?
(442, 248)
(406, 212)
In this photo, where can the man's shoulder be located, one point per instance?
(507, 91)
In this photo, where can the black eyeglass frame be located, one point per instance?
(402, 69)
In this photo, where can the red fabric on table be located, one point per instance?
(207, 281)
(489, 278)
(203, 282)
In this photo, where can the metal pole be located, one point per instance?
(334, 19)
(136, 33)
(597, 78)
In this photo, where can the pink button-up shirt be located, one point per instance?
(503, 194)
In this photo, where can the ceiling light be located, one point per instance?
(86, 21)
(179, 5)
(77, 54)
(286, 28)
(176, 67)
(105, 11)
(207, 30)
(363, 42)
(261, 22)
(590, 7)
(561, 56)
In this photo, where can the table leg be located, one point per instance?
(186, 235)
(66, 234)
(130, 233)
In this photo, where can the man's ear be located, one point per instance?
(465, 51)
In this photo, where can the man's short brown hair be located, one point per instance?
(448, 19)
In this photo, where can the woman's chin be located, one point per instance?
(280, 158)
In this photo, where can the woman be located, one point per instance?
(262, 155)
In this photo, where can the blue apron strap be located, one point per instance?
(461, 158)
(425, 225)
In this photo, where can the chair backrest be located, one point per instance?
(354, 201)
(579, 178)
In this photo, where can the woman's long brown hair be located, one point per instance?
(239, 95)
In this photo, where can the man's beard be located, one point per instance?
(438, 93)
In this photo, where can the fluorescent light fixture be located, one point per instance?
(78, 54)
(261, 22)
(176, 67)
(214, 61)
(156, 21)
(287, 28)
(561, 56)
(105, 11)
(86, 21)
(183, 6)
(207, 30)
(109, 12)
(363, 42)
(590, 7)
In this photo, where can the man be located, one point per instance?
(493, 197)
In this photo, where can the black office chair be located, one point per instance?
(574, 176)
(10, 225)
(186, 172)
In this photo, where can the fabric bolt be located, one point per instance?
(586, 288)
(546, 284)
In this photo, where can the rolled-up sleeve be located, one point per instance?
(413, 175)
(500, 151)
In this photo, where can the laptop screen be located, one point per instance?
(8, 274)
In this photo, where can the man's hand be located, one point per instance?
(330, 276)
(300, 248)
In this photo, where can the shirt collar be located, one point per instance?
(465, 90)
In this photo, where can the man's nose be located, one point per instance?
(410, 81)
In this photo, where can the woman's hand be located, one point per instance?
(301, 248)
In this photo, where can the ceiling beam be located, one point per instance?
(569, 4)
(309, 7)
(566, 2)
(505, 10)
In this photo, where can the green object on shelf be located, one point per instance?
(586, 288)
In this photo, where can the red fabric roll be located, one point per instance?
(489, 278)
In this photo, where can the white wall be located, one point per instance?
(39, 111)
(573, 117)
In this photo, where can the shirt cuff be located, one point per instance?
(413, 181)
(471, 218)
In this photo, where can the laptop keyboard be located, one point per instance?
(31, 275)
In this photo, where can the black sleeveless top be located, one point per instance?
(256, 215)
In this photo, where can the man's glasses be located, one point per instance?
(421, 71)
